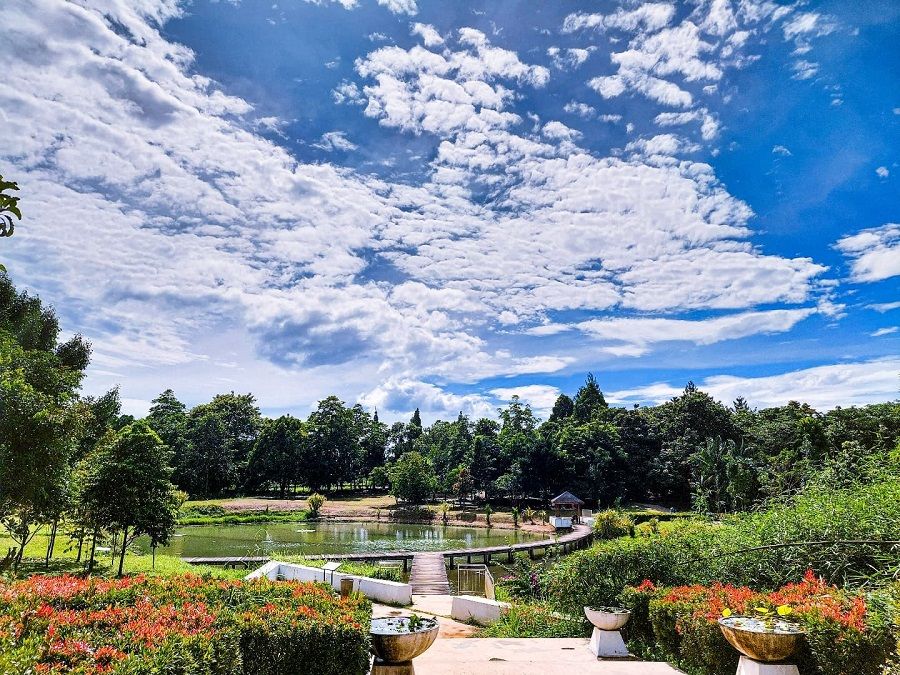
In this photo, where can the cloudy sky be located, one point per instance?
(442, 204)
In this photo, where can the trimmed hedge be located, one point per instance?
(699, 551)
(847, 633)
(181, 625)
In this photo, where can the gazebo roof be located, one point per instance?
(566, 498)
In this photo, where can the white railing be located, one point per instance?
(475, 580)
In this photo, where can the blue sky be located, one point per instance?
(412, 203)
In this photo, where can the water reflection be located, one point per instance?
(331, 538)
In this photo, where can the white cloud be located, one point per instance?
(884, 331)
(882, 172)
(540, 397)
(781, 150)
(568, 59)
(636, 336)
(884, 306)
(335, 140)
(559, 131)
(650, 16)
(823, 387)
(399, 397)
(428, 33)
(400, 6)
(580, 109)
(874, 253)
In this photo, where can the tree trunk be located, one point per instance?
(80, 545)
(124, 544)
(51, 543)
(93, 551)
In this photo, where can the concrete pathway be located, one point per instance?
(532, 656)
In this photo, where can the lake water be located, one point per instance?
(331, 538)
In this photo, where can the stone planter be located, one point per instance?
(606, 640)
(395, 645)
(763, 648)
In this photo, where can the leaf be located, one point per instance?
(763, 610)
(784, 610)
(726, 612)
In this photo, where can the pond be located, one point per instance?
(331, 538)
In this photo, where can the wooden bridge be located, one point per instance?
(429, 575)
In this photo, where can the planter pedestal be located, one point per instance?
(609, 644)
(382, 668)
(748, 666)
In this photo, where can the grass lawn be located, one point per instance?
(65, 554)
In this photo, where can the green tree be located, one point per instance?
(277, 453)
(40, 413)
(684, 424)
(412, 478)
(332, 437)
(129, 490)
(589, 400)
(563, 407)
(220, 435)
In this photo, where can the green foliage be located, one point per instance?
(126, 487)
(183, 624)
(9, 208)
(846, 632)
(412, 478)
(315, 502)
(730, 551)
(40, 414)
(611, 524)
(277, 453)
(534, 621)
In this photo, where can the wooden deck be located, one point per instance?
(429, 575)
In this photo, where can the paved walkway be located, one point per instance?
(429, 574)
(532, 656)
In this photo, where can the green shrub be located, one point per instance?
(611, 524)
(535, 621)
(697, 551)
(315, 502)
(846, 633)
(180, 625)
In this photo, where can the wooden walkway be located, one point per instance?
(429, 575)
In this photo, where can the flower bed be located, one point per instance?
(184, 625)
(845, 632)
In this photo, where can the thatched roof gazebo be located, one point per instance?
(567, 501)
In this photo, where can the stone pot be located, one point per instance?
(607, 618)
(392, 641)
(752, 638)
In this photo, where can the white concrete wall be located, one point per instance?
(380, 590)
(480, 610)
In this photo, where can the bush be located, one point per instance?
(846, 633)
(315, 503)
(702, 552)
(184, 625)
(612, 524)
(534, 621)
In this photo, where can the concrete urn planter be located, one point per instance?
(395, 645)
(763, 647)
(607, 618)
(606, 640)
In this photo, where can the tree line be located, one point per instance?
(76, 462)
